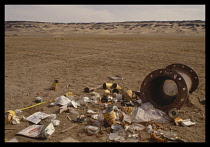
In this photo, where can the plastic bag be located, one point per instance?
(146, 112)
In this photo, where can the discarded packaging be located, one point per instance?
(133, 138)
(107, 85)
(47, 130)
(146, 112)
(15, 120)
(91, 111)
(62, 100)
(37, 117)
(8, 116)
(134, 127)
(54, 85)
(109, 115)
(177, 121)
(38, 131)
(32, 131)
(55, 122)
(115, 86)
(38, 99)
(153, 136)
(187, 123)
(92, 130)
(117, 136)
(106, 93)
(127, 110)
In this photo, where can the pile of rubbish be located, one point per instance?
(124, 115)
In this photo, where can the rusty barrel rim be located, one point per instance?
(188, 71)
(164, 74)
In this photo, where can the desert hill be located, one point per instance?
(131, 27)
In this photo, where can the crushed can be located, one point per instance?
(92, 130)
(109, 115)
(54, 85)
(8, 116)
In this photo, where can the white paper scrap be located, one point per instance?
(37, 117)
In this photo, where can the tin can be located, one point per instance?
(54, 85)
(116, 86)
(106, 93)
(109, 115)
(107, 85)
(38, 99)
(8, 116)
(92, 130)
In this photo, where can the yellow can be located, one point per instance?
(8, 116)
(54, 85)
(107, 85)
(116, 86)
(106, 93)
(109, 115)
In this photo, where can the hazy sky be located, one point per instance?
(103, 13)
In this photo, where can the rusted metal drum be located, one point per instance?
(169, 88)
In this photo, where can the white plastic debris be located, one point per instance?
(91, 130)
(32, 131)
(47, 130)
(63, 108)
(116, 137)
(187, 122)
(75, 104)
(15, 120)
(38, 131)
(135, 127)
(91, 111)
(62, 100)
(37, 117)
(146, 112)
(139, 101)
(119, 97)
(55, 122)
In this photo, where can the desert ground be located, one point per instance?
(33, 60)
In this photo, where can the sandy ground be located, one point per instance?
(33, 62)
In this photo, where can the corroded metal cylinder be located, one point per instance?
(169, 88)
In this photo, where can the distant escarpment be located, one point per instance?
(129, 27)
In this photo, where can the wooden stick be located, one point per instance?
(68, 128)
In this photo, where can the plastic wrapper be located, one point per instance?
(37, 117)
(117, 136)
(62, 100)
(38, 131)
(92, 130)
(32, 131)
(146, 112)
(187, 122)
